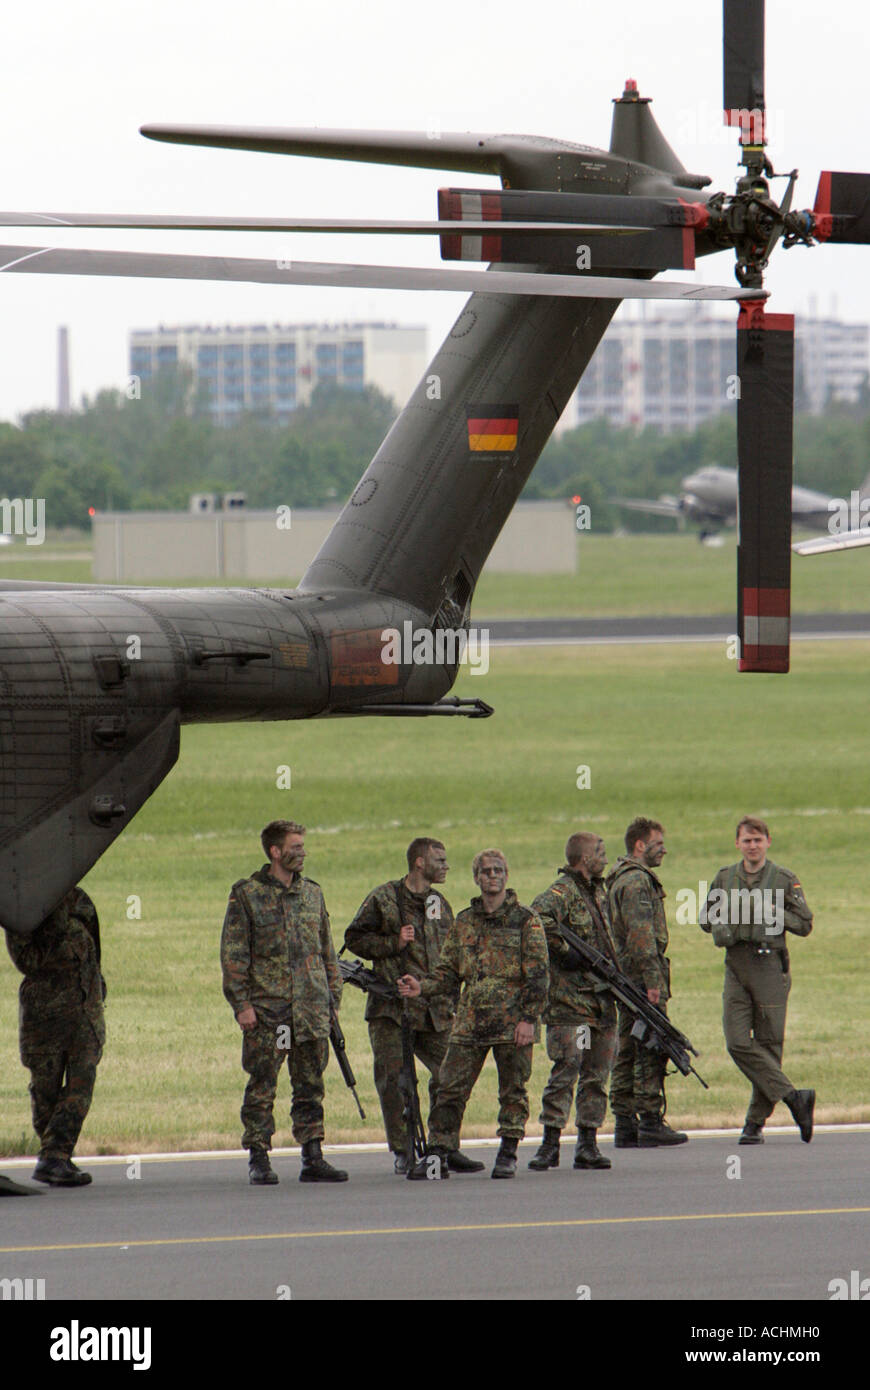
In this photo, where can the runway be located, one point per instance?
(651, 629)
(706, 1221)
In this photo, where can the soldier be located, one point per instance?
(749, 908)
(497, 949)
(401, 928)
(640, 930)
(580, 1017)
(62, 1029)
(281, 978)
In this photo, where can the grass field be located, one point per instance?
(615, 574)
(668, 731)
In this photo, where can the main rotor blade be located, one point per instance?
(743, 67)
(765, 371)
(842, 208)
(185, 222)
(47, 260)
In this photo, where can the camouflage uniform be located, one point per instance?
(757, 981)
(640, 931)
(277, 956)
(374, 934)
(62, 1029)
(580, 1058)
(501, 959)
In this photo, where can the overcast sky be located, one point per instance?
(78, 79)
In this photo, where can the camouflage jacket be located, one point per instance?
(640, 929)
(573, 995)
(277, 953)
(501, 960)
(61, 970)
(374, 935)
(762, 926)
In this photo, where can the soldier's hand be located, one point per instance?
(408, 987)
(653, 995)
(524, 1033)
(247, 1019)
(406, 933)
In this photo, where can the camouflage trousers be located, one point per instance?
(582, 1056)
(386, 1039)
(637, 1085)
(262, 1059)
(62, 1078)
(460, 1069)
(754, 1000)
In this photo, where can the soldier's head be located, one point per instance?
(490, 869)
(645, 841)
(585, 853)
(753, 841)
(283, 843)
(428, 858)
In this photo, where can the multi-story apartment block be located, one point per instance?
(276, 367)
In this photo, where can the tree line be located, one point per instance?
(152, 453)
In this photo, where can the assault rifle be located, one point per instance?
(651, 1027)
(339, 1047)
(355, 973)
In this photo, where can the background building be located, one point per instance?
(671, 372)
(156, 547)
(276, 367)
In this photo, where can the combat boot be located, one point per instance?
(653, 1133)
(801, 1104)
(751, 1133)
(506, 1160)
(400, 1164)
(433, 1166)
(460, 1163)
(587, 1153)
(58, 1171)
(548, 1154)
(260, 1171)
(315, 1167)
(625, 1132)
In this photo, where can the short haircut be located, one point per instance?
(420, 847)
(752, 823)
(640, 830)
(486, 854)
(275, 832)
(578, 843)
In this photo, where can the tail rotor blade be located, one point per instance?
(765, 366)
(743, 86)
(842, 208)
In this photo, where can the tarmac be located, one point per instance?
(708, 1220)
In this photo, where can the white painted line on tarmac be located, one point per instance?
(104, 1160)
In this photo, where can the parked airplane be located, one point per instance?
(709, 497)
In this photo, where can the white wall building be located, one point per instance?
(276, 367)
(671, 372)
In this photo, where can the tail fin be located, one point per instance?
(432, 502)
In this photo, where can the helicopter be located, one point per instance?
(96, 682)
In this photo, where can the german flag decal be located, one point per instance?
(492, 429)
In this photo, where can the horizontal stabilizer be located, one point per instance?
(824, 545)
